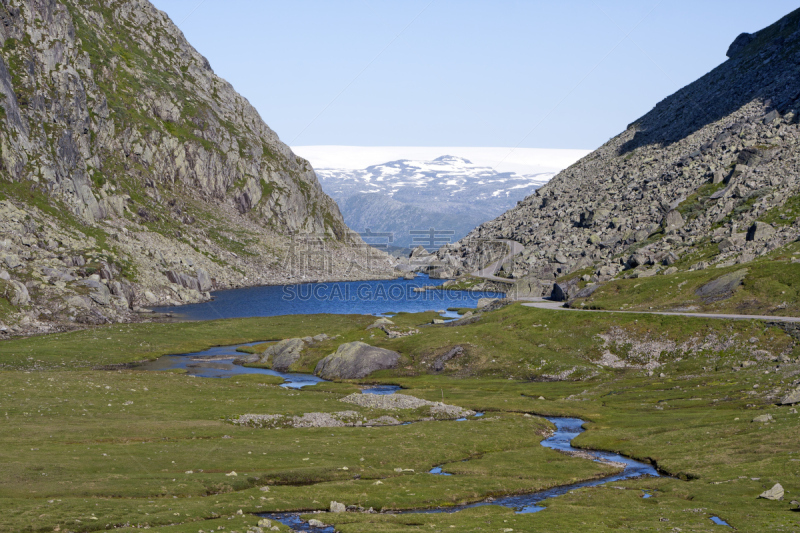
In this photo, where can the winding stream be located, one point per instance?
(219, 363)
(566, 430)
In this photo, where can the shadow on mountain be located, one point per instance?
(763, 67)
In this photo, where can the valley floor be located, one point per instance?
(90, 443)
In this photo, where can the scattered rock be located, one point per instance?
(383, 321)
(337, 507)
(763, 418)
(774, 494)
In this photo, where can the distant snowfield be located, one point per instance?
(518, 160)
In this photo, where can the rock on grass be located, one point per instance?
(355, 360)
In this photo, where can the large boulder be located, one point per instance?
(355, 360)
(774, 494)
(529, 287)
(21, 295)
(673, 221)
(284, 354)
(721, 288)
(559, 293)
(563, 291)
(760, 231)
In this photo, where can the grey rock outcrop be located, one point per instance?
(440, 362)
(355, 360)
(21, 296)
(739, 44)
(792, 398)
(723, 287)
(283, 354)
(483, 302)
(718, 156)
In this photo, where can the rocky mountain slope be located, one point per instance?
(132, 175)
(448, 194)
(709, 178)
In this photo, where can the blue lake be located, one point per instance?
(347, 297)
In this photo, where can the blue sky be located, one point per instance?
(566, 74)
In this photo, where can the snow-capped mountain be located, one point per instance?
(449, 194)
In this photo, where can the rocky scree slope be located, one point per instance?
(713, 171)
(131, 174)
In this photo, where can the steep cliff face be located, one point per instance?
(121, 149)
(709, 177)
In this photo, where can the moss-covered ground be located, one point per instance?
(85, 449)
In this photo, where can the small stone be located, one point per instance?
(316, 523)
(383, 321)
(763, 418)
(337, 507)
(232, 474)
